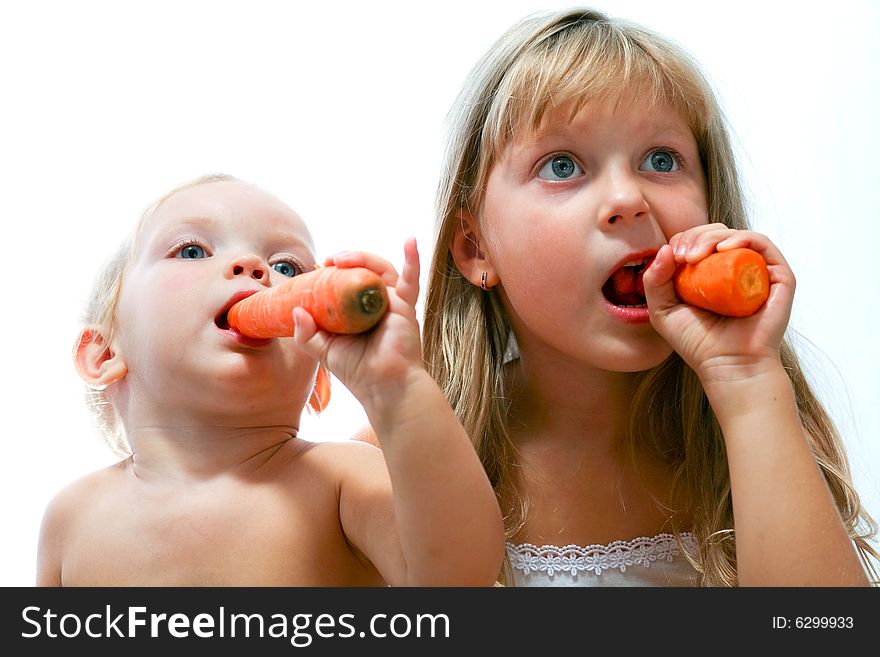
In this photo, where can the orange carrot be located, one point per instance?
(320, 396)
(734, 283)
(341, 300)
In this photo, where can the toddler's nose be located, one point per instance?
(249, 265)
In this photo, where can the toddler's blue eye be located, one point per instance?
(660, 161)
(192, 252)
(559, 167)
(285, 268)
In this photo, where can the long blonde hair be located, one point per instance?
(544, 62)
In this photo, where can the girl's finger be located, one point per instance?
(657, 279)
(691, 234)
(696, 243)
(755, 241)
(778, 267)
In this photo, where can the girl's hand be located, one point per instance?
(372, 364)
(716, 347)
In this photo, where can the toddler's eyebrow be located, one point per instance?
(197, 221)
(284, 238)
(155, 236)
(273, 236)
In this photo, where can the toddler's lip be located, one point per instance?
(245, 340)
(221, 319)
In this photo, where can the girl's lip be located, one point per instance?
(628, 314)
(637, 255)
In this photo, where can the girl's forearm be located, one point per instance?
(447, 515)
(788, 529)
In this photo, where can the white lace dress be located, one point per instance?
(644, 561)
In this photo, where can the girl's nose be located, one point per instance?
(624, 200)
(250, 266)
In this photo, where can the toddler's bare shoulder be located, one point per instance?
(78, 495)
(345, 456)
(345, 451)
(96, 482)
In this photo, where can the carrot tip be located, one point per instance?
(372, 301)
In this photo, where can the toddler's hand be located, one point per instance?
(371, 365)
(715, 346)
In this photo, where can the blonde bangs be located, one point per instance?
(588, 62)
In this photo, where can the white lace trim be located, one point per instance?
(642, 551)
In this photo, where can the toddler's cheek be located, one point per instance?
(178, 284)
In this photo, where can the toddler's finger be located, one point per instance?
(408, 283)
(307, 336)
(369, 260)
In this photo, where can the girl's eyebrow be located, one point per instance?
(658, 131)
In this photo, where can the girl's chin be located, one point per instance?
(642, 359)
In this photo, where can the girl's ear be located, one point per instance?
(95, 362)
(320, 396)
(468, 254)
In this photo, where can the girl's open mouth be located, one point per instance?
(625, 287)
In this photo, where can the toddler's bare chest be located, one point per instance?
(225, 537)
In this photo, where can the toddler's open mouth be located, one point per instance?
(221, 321)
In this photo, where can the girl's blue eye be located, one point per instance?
(660, 161)
(192, 252)
(559, 167)
(285, 268)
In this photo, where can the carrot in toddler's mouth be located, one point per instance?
(734, 283)
(342, 300)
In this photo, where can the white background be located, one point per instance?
(339, 111)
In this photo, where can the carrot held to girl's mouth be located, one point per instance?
(342, 300)
(734, 283)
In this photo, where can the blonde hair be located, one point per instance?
(101, 308)
(542, 63)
